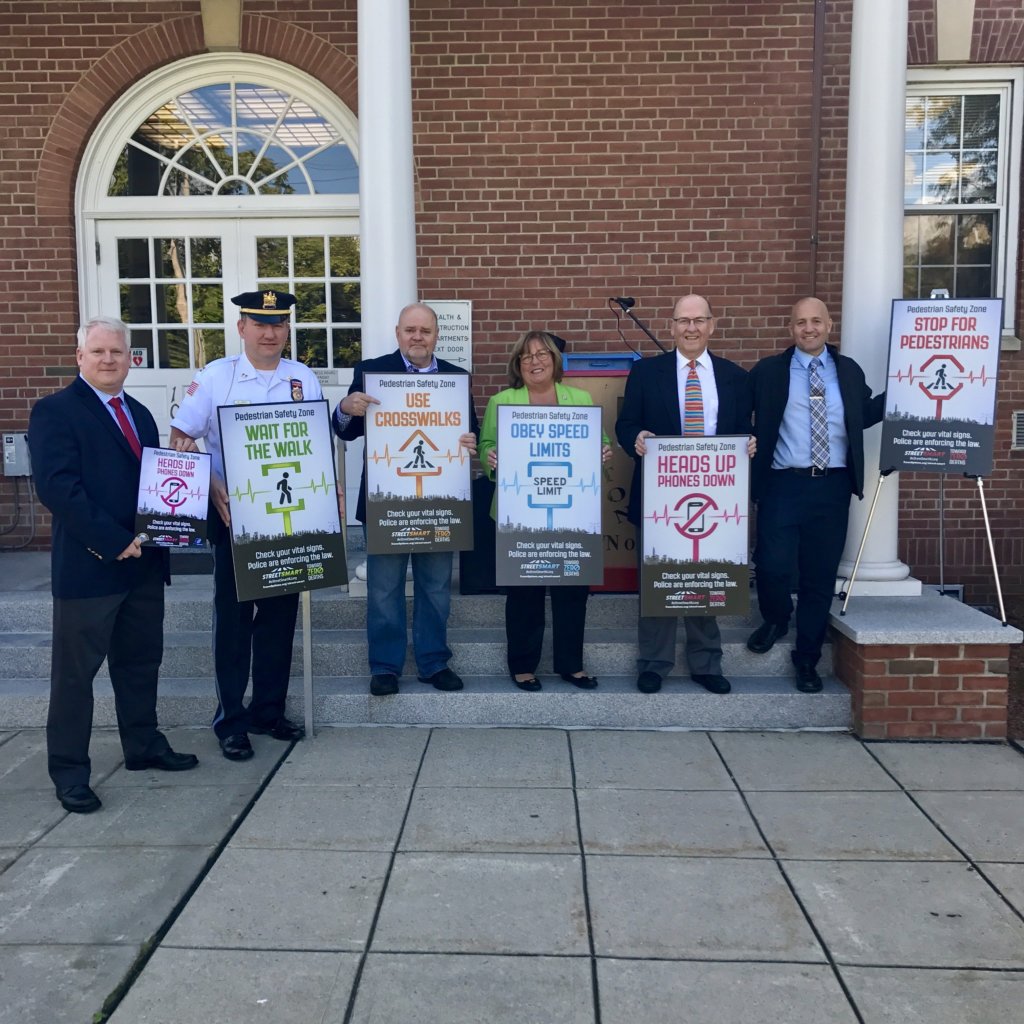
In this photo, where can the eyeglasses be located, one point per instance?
(529, 357)
(691, 321)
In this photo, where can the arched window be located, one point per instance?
(216, 175)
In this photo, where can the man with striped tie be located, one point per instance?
(688, 391)
(811, 408)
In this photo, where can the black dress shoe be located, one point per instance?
(446, 679)
(712, 683)
(583, 682)
(648, 682)
(78, 799)
(282, 729)
(167, 761)
(807, 678)
(762, 640)
(384, 684)
(530, 685)
(236, 748)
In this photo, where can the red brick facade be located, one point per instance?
(925, 691)
(564, 153)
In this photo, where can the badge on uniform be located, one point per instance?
(296, 389)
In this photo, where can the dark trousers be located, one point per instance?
(801, 531)
(254, 635)
(524, 627)
(128, 630)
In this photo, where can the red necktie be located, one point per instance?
(126, 426)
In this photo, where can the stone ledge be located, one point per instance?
(927, 619)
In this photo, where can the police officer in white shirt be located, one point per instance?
(246, 633)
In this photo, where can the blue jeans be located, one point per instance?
(385, 611)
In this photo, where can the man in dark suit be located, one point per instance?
(811, 408)
(655, 403)
(431, 570)
(108, 591)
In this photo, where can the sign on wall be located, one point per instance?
(454, 331)
(549, 486)
(417, 473)
(941, 388)
(696, 500)
(279, 470)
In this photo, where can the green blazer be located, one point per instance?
(566, 395)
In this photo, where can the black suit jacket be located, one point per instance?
(356, 426)
(770, 382)
(651, 402)
(88, 477)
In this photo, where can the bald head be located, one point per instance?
(809, 324)
(417, 333)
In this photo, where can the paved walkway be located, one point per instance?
(449, 876)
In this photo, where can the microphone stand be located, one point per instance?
(643, 327)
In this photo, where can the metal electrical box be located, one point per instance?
(16, 460)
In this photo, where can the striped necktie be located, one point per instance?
(693, 403)
(819, 418)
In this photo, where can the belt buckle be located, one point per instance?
(817, 471)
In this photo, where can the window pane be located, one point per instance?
(936, 277)
(133, 257)
(209, 345)
(309, 256)
(973, 282)
(135, 304)
(941, 178)
(334, 170)
(272, 257)
(207, 304)
(974, 244)
(172, 304)
(978, 177)
(181, 184)
(910, 289)
(205, 257)
(311, 346)
(347, 347)
(914, 126)
(141, 340)
(169, 257)
(173, 349)
(345, 306)
(911, 241)
(913, 178)
(311, 304)
(937, 240)
(981, 122)
(943, 122)
(345, 256)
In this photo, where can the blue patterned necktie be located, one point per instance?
(819, 418)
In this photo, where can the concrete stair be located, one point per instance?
(763, 695)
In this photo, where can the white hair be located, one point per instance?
(106, 323)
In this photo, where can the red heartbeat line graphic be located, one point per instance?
(910, 376)
(666, 515)
(194, 493)
(458, 455)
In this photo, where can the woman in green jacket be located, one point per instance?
(535, 375)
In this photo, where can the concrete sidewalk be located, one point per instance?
(449, 876)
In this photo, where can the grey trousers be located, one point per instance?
(656, 642)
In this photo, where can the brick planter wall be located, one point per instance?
(925, 691)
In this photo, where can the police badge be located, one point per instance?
(296, 389)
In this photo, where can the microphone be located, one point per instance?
(625, 303)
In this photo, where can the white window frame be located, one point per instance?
(1009, 83)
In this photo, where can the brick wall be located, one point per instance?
(925, 691)
(565, 153)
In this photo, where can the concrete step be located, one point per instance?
(189, 604)
(476, 651)
(756, 703)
